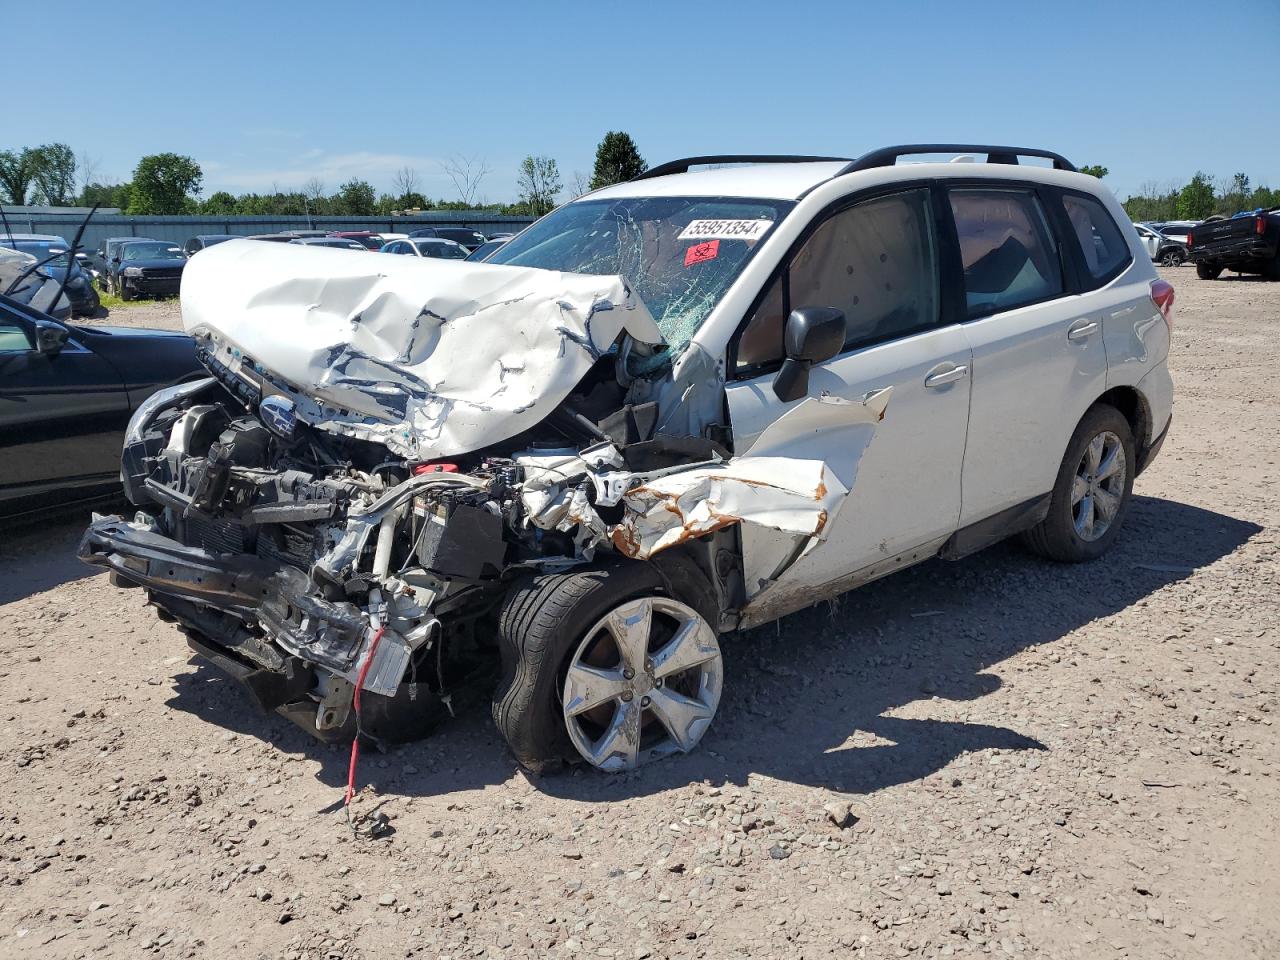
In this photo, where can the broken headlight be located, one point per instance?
(158, 401)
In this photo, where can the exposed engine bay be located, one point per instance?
(337, 482)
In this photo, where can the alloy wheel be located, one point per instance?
(643, 684)
(1098, 488)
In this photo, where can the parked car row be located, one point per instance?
(52, 260)
(130, 267)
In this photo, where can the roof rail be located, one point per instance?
(683, 165)
(888, 156)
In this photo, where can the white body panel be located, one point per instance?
(1031, 386)
(907, 488)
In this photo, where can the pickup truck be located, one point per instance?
(1248, 243)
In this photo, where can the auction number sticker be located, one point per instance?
(725, 230)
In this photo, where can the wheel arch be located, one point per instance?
(1135, 409)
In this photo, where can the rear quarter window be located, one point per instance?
(1101, 242)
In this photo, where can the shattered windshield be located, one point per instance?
(41, 250)
(679, 253)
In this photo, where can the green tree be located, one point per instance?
(17, 174)
(106, 194)
(54, 170)
(1195, 200)
(356, 199)
(617, 160)
(220, 202)
(164, 183)
(1095, 170)
(539, 183)
(1236, 196)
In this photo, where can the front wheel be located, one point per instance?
(1092, 490)
(1173, 257)
(1206, 272)
(125, 292)
(605, 666)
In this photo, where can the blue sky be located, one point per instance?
(275, 92)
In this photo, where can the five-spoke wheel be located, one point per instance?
(644, 682)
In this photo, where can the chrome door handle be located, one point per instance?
(946, 376)
(1083, 330)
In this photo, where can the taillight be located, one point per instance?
(1162, 297)
(1190, 239)
(1259, 226)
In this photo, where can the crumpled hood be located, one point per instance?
(429, 357)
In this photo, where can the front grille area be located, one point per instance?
(215, 536)
(287, 543)
(162, 273)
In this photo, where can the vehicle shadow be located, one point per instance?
(810, 699)
(38, 556)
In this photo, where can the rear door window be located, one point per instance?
(1102, 245)
(1006, 248)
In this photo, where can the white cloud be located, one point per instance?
(333, 169)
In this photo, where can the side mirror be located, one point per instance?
(812, 335)
(50, 338)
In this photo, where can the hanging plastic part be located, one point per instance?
(355, 743)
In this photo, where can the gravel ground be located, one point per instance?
(998, 756)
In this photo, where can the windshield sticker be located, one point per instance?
(700, 252)
(725, 230)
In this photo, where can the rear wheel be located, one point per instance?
(1206, 272)
(1091, 494)
(605, 666)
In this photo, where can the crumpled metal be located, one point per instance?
(431, 358)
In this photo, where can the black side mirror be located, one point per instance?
(50, 338)
(812, 335)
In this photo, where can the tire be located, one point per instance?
(1272, 270)
(1059, 536)
(124, 291)
(544, 625)
(1206, 272)
(1173, 257)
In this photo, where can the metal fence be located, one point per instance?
(180, 229)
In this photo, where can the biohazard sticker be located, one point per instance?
(702, 251)
(725, 230)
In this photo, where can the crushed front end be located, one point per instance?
(282, 555)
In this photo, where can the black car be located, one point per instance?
(51, 252)
(466, 236)
(147, 267)
(204, 241)
(66, 395)
(108, 254)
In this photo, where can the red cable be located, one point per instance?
(355, 743)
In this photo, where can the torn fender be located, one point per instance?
(796, 496)
(794, 479)
(428, 357)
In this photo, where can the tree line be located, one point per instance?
(170, 183)
(1202, 196)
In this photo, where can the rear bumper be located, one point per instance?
(1153, 448)
(1246, 248)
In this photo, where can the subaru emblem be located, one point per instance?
(278, 415)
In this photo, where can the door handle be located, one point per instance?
(946, 376)
(1083, 330)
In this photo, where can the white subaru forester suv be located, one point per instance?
(672, 408)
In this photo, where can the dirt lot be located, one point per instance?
(1045, 761)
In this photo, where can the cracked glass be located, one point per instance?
(639, 238)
